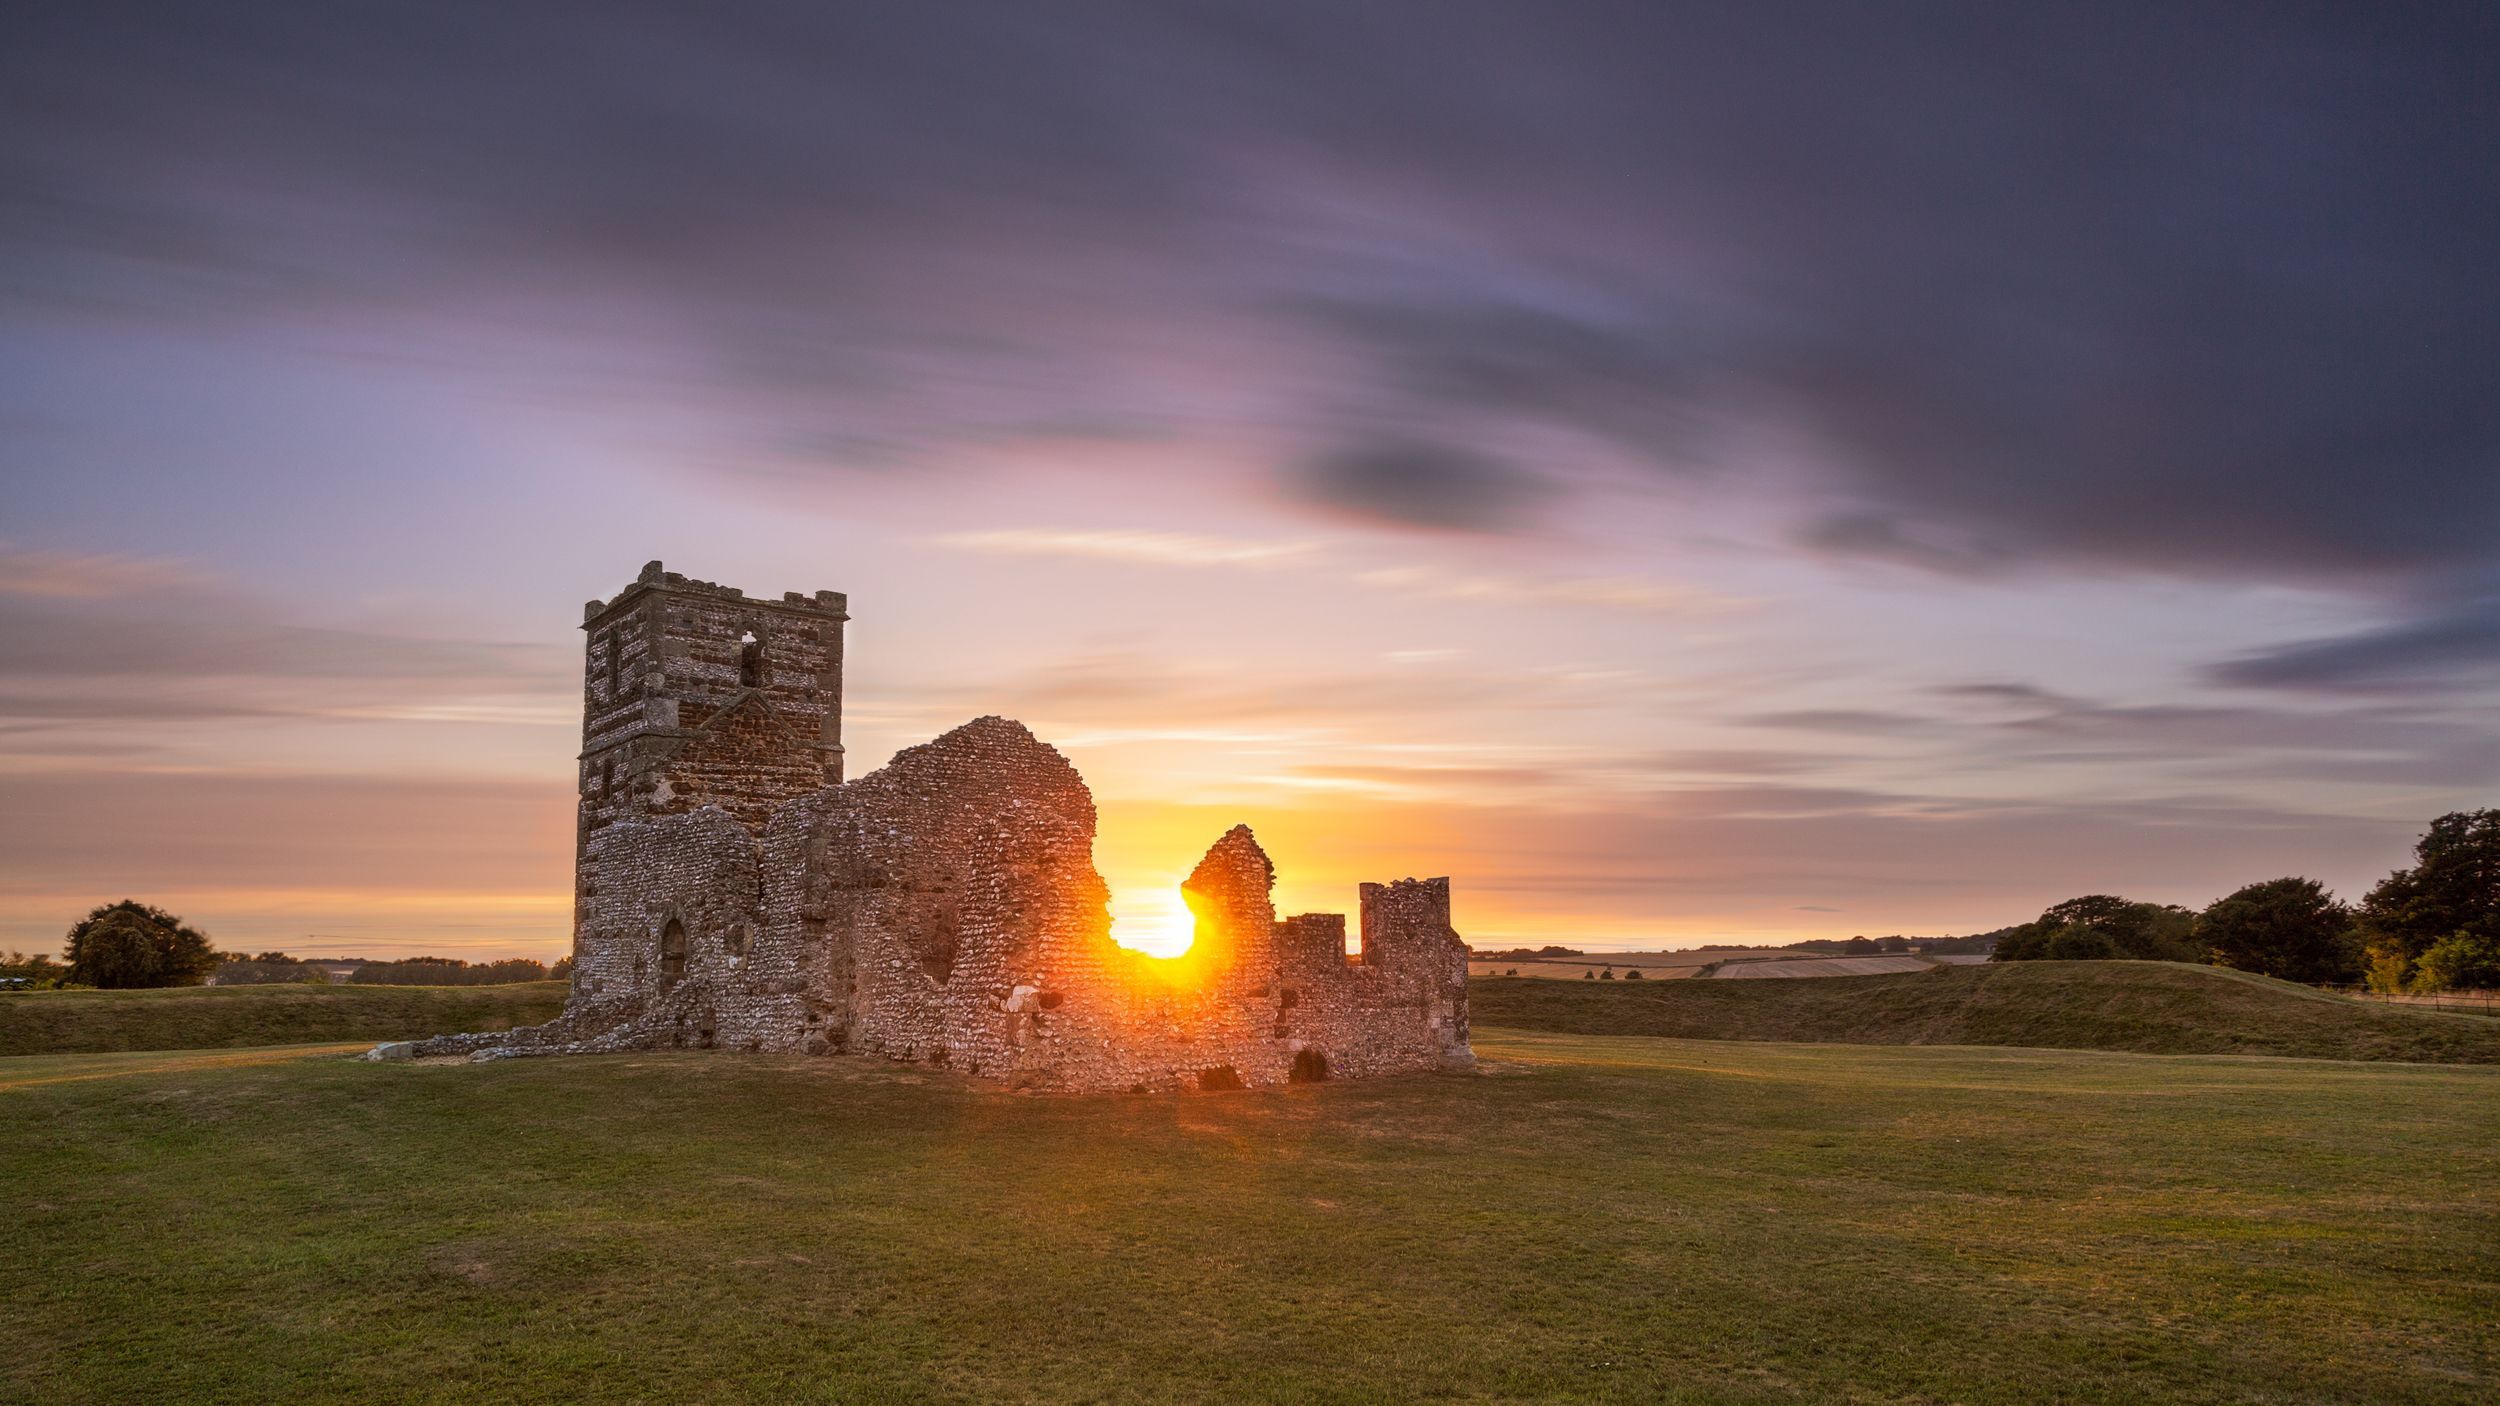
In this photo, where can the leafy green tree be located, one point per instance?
(130, 944)
(2103, 927)
(2291, 928)
(2076, 943)
(2462, 961)
(2449, 899)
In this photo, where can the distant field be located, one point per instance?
(1597, 1220)
(2155, 1007)
(1722, 964)
(225, 1017)
(1826, 966)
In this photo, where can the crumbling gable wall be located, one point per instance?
(929, 889)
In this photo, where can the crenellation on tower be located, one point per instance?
(695, 693)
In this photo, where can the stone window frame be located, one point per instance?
(752, 644)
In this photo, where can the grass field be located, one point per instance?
(1596, 1219)
(2154, 1007)
(229, 1017)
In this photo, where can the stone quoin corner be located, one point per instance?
(734, 892)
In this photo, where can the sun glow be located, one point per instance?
(1152, 919)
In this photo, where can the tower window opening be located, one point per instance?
(616, 665)
(750, 661)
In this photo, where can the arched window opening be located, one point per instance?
(750, 661)
(615, 651)
(607, 777)
(1309, 1067)
(672, 952)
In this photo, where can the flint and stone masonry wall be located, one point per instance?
(944, 908)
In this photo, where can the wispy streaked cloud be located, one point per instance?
(89, 575)
(1118, 545)
(1605, 592)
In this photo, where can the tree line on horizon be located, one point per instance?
(130, 945)
(2433, 926)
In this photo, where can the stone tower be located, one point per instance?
(695, 695)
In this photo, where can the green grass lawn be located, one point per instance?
(1596, 1219)
(2153, 1007)
(230, 1017)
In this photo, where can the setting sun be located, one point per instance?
(1151, 918)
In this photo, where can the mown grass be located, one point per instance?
(231, 1017)
(1597, 1219)
(2152, 1007)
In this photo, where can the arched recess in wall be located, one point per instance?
(672, 951)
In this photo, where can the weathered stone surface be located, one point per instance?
(944, 908)
(393, 1050)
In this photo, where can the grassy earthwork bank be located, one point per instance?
(2150, 1007)
(230, 1017)
(1590, 1219)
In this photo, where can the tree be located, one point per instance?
(2461, 961)
(563, 970)
(129, 944)
(1632, 975)
(2449, 900)
(2103, 926)
(35, 969)
(2291, 928)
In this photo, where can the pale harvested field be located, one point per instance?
(1824, 966)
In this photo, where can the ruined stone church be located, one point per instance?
(734, 891)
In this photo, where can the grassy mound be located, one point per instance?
(2152, 1007)
(229, 1017)
(1593, 1220)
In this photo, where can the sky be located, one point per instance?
(1689, 473)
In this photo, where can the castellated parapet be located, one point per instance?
(734, 892)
